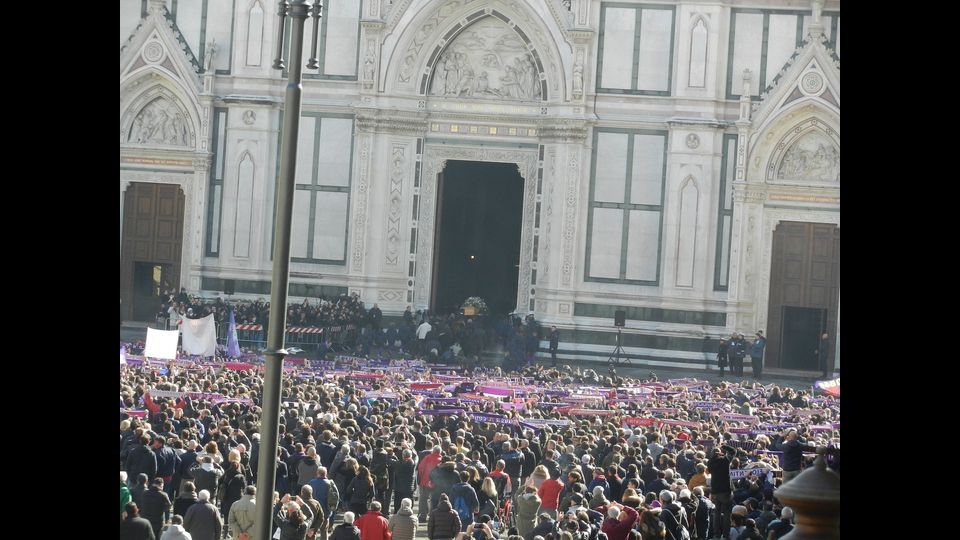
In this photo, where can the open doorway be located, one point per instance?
(477, 250)
(801, 332)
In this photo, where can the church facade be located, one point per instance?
(680, 160)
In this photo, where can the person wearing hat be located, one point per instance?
(756, 354)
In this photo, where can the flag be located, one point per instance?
(199, 336)
(233, 345)
(123, 355)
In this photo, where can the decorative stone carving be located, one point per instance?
(370, 65)
(693, 141)
(570, 214)
(578, 75)
(208, 55)
(389, 295)
(394, 206)
(153, 52)
(420, 37)
(360, 212)
(487, 60)
(160, 122)
(813, 157)
(249, 117)
(435, 159)
(811, 84)
(543, 265)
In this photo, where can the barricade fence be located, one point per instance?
(251, 336)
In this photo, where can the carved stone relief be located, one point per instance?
(360, 216)
(813, 157)
(435, 159)
(398, 167)
(570, 214)
(370, 64)
(487, 60)
(543, 265)
(578, 75)
(160, 122)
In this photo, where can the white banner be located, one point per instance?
(199, 336)
(161, 343)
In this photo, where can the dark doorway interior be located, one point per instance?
(479, 219)
(148, 279)
(802, 328)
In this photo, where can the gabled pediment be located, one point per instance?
(157, 43)
(811, 74)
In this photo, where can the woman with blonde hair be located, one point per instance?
(487, 494)
(538, 476)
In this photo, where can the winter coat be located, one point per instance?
(141, 460)
(345, 531)
(242, 516)
(425, 468)
(373, 526)
(183, 503)
(403, 525)
(154, 504)
(359, 492)
(616, 529)
(203, 522)
(443, 523)
(543, 529)
(136, 528)
(704, 516)
(125, 497)
(176, 532)
(306, 470)
(233, 485)
(527, 507)
(404, 476)
(207, 480)
(289, 529)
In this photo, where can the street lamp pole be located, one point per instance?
(298, 11)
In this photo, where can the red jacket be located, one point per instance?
(373, 526)
(617, 529)
(426, 466)
(549, 493)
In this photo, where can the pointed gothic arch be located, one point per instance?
(411, 57)
(179, 120)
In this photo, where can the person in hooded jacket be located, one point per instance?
(175, 530)
(141, 459)
(528, 506)
(403, 524)
(136, 492)
(307, 468)
(444, 523)
(207, 474)
(444, 476)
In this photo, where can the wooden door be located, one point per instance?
(152, 233)
(804, 273)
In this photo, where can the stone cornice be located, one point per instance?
(787, 193)
(702, 122)
(411, 124)
(252, 100)
(563, 131)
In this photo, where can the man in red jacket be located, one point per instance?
(372, 525)
(426, 466)
(621, 519)
(549, 494)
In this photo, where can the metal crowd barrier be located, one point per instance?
(309, 338)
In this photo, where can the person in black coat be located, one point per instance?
(346, 530)
(231, 488)
(723, 355)
(135, 527)
(186, 499)
(738, 349)
(156, 505)
(141, 459)
(554, 345)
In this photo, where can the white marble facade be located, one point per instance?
(634, 129)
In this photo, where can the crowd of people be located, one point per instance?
(390, 450)
(321, 311)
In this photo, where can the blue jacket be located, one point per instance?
(756, 350)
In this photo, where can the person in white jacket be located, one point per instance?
(175, 530)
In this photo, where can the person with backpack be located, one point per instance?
(704, 515)
(326, 493)
(651, 528)
(673, 516)
(465, 500)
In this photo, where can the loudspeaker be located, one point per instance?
(620, 318)
(228, 286)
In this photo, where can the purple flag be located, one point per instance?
(233, 345)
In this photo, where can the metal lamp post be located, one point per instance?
(298, 11)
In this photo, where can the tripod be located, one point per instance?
(615, 359)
